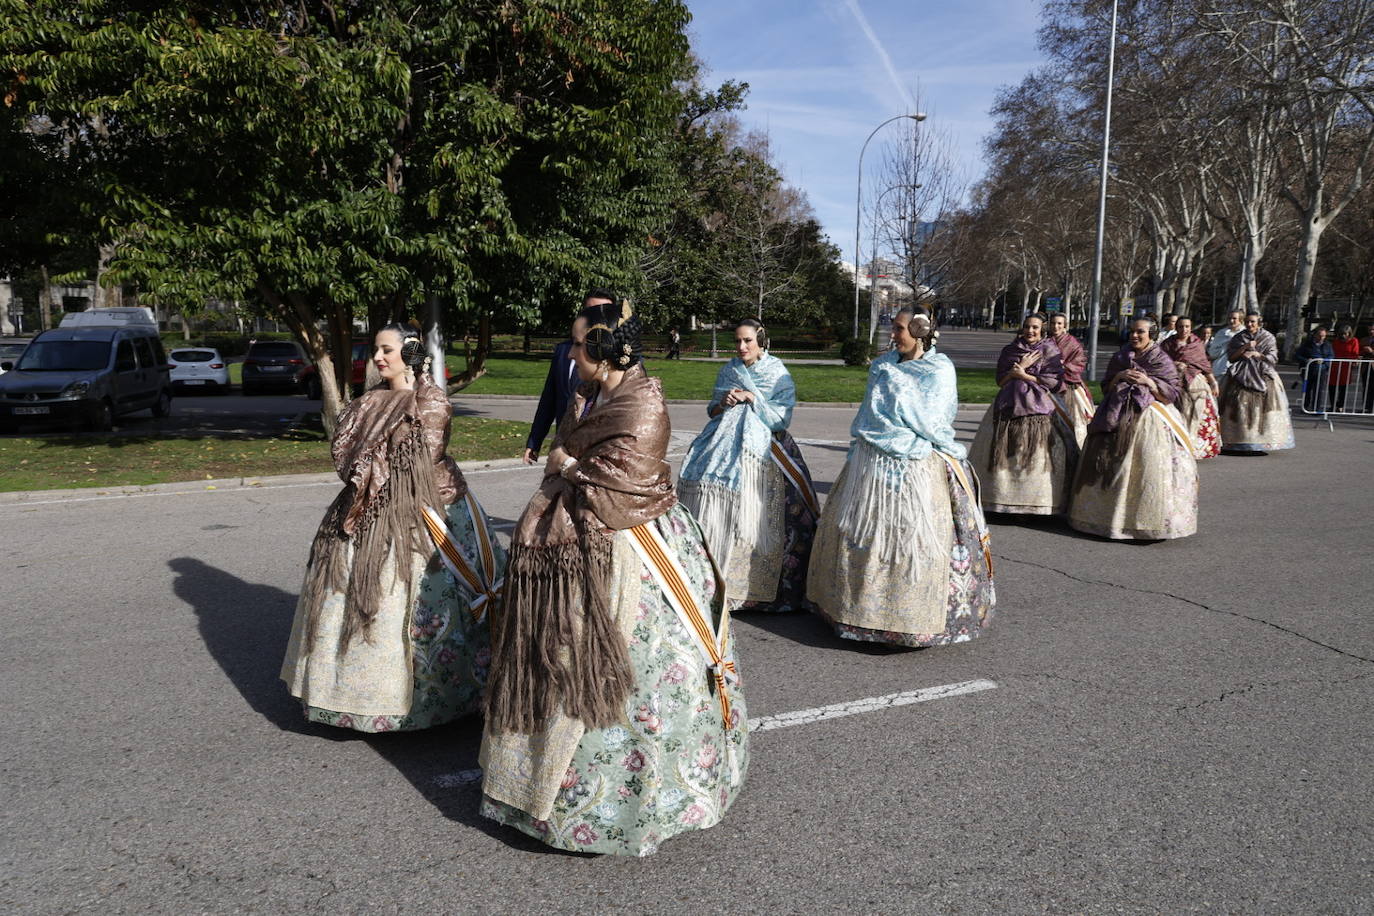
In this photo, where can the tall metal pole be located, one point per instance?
(1095, 320)
(858, 208)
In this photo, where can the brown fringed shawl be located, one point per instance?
(554, 644)
(391, 450)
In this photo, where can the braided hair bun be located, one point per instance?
(613, 333)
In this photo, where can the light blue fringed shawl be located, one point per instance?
(908, 411)
(722, 481)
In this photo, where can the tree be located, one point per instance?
(335, 162)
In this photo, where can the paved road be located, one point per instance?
(1175, 727)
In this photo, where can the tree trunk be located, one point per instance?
(1302, 282)
(293, 310)
(45, 298)
(476, 362)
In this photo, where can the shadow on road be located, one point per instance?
(809, 630)
(245, 628)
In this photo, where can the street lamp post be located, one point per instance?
(1095, 320)
(877, 207)
(858, 208)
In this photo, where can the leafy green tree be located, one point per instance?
(338, 161)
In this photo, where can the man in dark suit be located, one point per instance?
(559, 386)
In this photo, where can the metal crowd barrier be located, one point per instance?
(1338, 388)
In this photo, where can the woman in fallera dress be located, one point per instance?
(745, 480)
(902, 553)
(1074, 400)
(1137, 477)
(1253, 405)
(1025, 450)
(391, 628)
(1197, 397)
(615, 718)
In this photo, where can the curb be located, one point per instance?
(222, 483)
(680, 402)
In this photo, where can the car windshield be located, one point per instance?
(193, 356)
(272, 349)
(65, 356)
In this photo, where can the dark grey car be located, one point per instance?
(272, 364)
(86, 376)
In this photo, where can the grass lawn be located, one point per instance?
(688, 380)
(93, 460)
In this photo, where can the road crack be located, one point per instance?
(1197, 604)
(1284, 682)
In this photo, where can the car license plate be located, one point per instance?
(30, 411)
(273, 368)
(194, 381)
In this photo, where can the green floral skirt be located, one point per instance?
(671, 764)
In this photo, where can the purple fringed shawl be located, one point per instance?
(1071, 353)
(1121, 399)
(1019, 398)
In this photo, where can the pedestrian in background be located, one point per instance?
(1253, 406)
(558, 386)
(1025, 450)
(1168, 326)
(1315, 376)
(1137, 479)
(746, 482)
(902, 554)
(674, 345)
(615, 718)
(1345, 346)
(387, 636)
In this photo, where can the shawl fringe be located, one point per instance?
(884, 507)
(1018, 443)
(728, 517)
(553, 656)
(1103, 451)
(389, 526)
(1245, 406)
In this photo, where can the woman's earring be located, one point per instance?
(603, 372)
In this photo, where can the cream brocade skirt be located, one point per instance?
(939, 592)
(1154, 493)
(1255, 421)
(1041, 487)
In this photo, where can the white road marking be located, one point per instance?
(869, 704)
(800, 717)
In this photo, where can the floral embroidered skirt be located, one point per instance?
(1151, 491)
(869, 599)
(1199, 409)
(425, 665)
(1255, 421)
(1040, 485)
(671, 764)
(799, 530)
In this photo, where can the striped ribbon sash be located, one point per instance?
(1062, 406)
(480, 577)
(795, 476)
(1175, 425)
(1079, 395)
(668, 573)
(970, 485)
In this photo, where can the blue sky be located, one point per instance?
(823, 73)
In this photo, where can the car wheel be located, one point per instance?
(313, 389)
(102, 416)
(247, 391)
(8, 428)
(164, 403)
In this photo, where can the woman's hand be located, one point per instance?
(736, 396)
(555, 463)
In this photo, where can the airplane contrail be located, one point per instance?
(878, 48)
